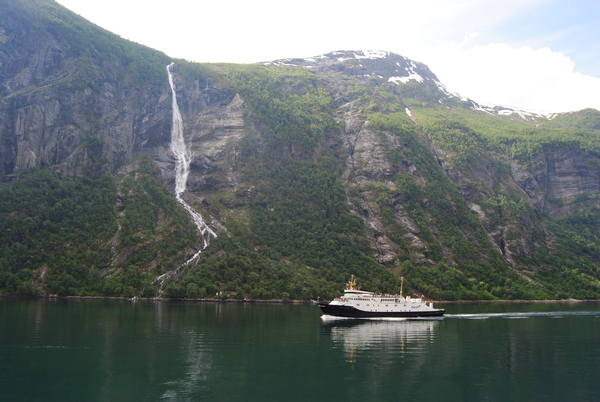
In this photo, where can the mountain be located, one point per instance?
(303, 172)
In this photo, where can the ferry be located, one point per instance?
(362, 304)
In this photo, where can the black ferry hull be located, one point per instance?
(352, 312)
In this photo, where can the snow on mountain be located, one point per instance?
(507, 111)
(404, 80)
(398, 70)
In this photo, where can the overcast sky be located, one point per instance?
(541, 55)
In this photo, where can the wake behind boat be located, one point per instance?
(362, 304)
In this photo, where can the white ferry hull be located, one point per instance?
(338, 310)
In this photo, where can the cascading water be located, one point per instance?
(183, 159)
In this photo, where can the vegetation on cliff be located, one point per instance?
(301, 214)
(92, 45)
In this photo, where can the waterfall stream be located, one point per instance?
(183, 158)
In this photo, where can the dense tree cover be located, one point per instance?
(304, 217)
(234, 268)
(83, 236)
(300, 242)
(54, 232)
(152, 219)
(571, 268)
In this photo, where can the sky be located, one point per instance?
(538, 55)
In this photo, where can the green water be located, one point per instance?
(92, 350)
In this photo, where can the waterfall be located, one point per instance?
(183, 158)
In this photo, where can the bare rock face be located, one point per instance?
(214, 138)
(78, 115)
(65, 111)
(566, 177)
(46, 132)
(59, 109)
(213, 122)
(366, 164)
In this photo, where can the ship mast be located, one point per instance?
(401, 283)
(350, 285)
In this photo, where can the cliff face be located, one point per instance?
(62, 110)
(557, 180)
(421, 168)
(69, 107)
(52, 99)
(214, 122)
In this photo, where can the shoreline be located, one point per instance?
(260, 301)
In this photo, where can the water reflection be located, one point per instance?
(396, 337)
(197, 363)
(145, 351)
(529, 314)
(192, 357)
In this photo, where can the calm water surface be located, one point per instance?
(93, 350)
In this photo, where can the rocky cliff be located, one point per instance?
(55, 95)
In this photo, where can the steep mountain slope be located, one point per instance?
(308, 170)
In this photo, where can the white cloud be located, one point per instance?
(440, 33)
(535, 79)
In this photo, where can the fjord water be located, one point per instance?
(97, 350)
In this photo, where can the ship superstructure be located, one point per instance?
(363, 304)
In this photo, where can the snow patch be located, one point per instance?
(443, 88)
(285, 62)
(508, 111)
(372, 54)
(314, 59)
(404, 80)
